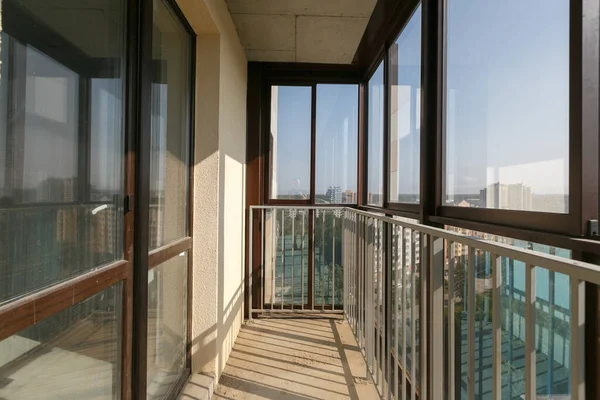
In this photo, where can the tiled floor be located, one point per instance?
(295, 359)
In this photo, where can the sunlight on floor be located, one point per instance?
(295, 359)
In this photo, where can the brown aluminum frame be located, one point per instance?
(387, 22)
(261, 76)
(569, 223)
(364, 139)
(267, 141)
(302, 75)
(563, 230)
(412, 210)
(28, 310)
(156, 257)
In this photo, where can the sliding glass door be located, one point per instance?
(169, 194)
(71, 131)
(61, 199)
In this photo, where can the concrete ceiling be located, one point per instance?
(312, 31)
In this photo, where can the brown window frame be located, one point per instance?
(572, 230)
(303, 75)
(132, 270)
(387, 22)
(407, 209)
(141, 46)
(568, 223)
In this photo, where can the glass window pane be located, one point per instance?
(375, 139)
(507, 128)
(405, 110)
(75, 354)
(328, 269)
(170, 98)
(337, 144)
(290, 142)
(552, 323)
(61, 141)
(167, 325)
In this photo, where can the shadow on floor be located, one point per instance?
(295, 359)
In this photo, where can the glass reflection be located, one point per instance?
(552, 325)
(61, 141)
(290, 138)
(405, 113)
(375, 139)
(170, 98)
(167, 325)
(507, 127)
(75, 354)
(336, 144)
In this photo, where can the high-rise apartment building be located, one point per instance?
(334, 194)
(349, 197)
(515, 196)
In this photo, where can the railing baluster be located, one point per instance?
(398, 276)
(471, 321)
(323, 262)
(384, 296)
(368, 304)
(262, 259)
(370, 293)
(344, 277)
(404, 316)
(304, 214)
(380, 324)
(577, 300)
(354, 276)
(436, 262)
(381, 301)
(362, 277)
(424, 261)
(273, 257)
(372, 308)
(250, 261)
(530, 363)
(333, 218)
(376, 294)
(293, 217)
(346, 251)
(413, 316)
(496, 328)
(282, 237)
(353, 258)
(451, 324)
(390, 330)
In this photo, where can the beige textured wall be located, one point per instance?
(219, 192)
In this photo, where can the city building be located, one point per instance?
(349, 197)
(508, 197)
(334, 194)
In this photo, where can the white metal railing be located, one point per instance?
(416, 277)
(423, 300)
(299, 261)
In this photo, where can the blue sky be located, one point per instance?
(507, 106)
(375, 136)
(337, 137)
(508, 92)
(293, 138)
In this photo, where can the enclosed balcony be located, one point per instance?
(299, 199)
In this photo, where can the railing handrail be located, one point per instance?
(300, 206)
(381, 273)
(577, 269)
